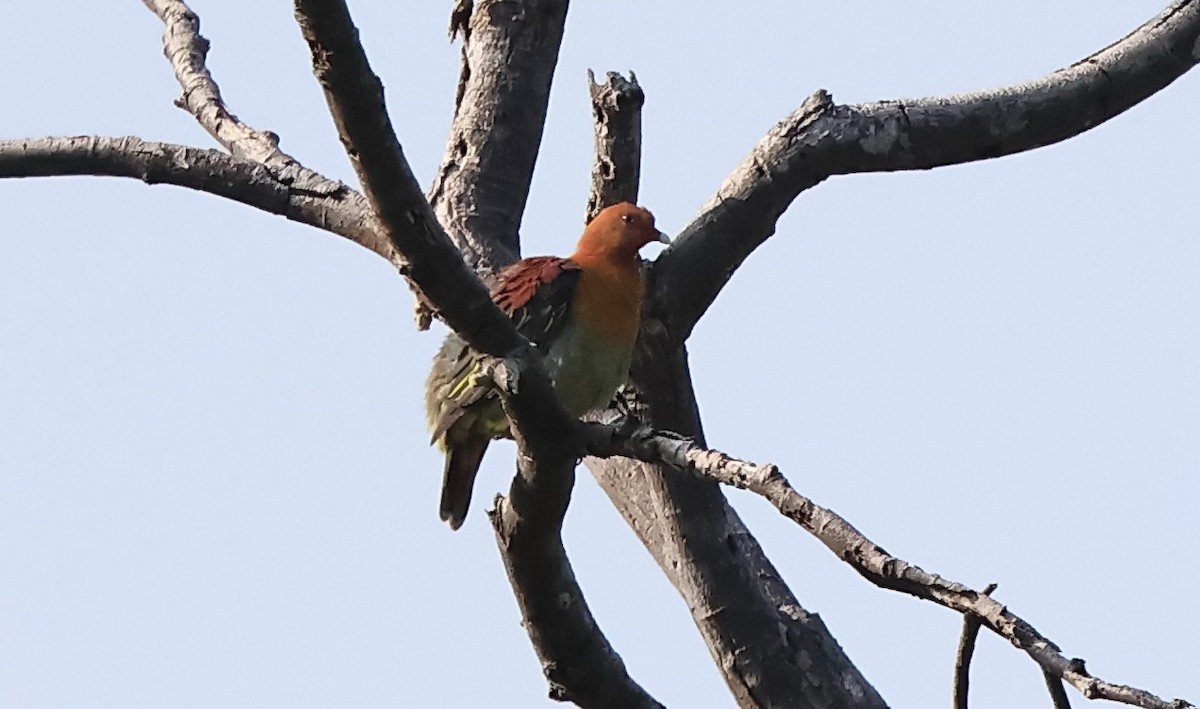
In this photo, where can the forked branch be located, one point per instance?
(187, 51)
(578, 661)
(864, 556)
(966, 651)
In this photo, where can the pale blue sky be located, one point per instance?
(215, 489)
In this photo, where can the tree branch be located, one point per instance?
(510, 49)
(616, 172)
(342, 211)
(822, 139)
(577, 659)
(187, 50)
(966, 650)
(864, 556)
(769, 649)
(355, 98)
(1058, 694)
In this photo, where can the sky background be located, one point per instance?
(215, 488)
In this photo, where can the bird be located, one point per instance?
(581, 313)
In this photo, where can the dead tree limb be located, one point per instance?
(617, 165)
(684, 523)
(863, 555)
(509, 54)
(577, 659)
(822, 139)
(343, 212)
(731, 588)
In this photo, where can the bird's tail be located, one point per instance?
(462, 464)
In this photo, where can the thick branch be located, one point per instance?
(866, 557)
(342, 211)
(510, 49)
(577, 660)
(822, 139)
(355, 98)
(616, 172)
(770, 650)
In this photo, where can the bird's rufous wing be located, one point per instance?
(536, 293)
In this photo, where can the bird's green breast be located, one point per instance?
(587, 368)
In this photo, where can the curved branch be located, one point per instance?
(355, 97)
(862, 554)
(343, 211)
(186, 50)
(509, 53)
(616, 172)
(822, 139)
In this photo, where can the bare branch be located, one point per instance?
(768, 648)
(822, 139)
(616, 172)
(577, 660)
(850, 545)
(355, 98)
(1058, 693)
(509, 53)
(186, 50)
(727, 582)
(341, 211)
(966, 650)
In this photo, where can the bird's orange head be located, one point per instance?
(618, 232)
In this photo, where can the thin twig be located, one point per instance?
(966, 650)
(187, 52)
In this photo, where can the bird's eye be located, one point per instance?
(627, 218)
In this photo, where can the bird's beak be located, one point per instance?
(663, 238)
